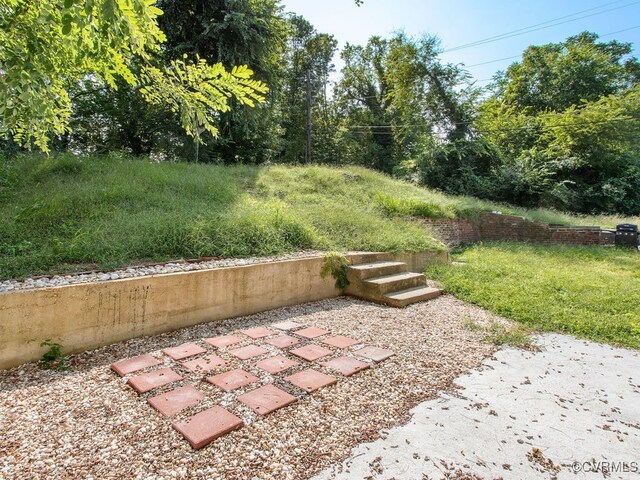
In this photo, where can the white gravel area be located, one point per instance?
(143, 270)
(570, 411)
(87, 423)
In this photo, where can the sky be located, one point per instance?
(460, 22)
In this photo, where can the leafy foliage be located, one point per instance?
(45, 48)
(336, 265)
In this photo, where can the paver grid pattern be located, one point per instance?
(256, 369)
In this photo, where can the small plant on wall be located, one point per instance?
(336, 265)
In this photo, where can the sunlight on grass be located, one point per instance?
(591, 292)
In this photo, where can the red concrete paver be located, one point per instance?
(148, 381)
(258, 332)
(374, 353)
(276, 364)
(287, 325)
(311, 332)
(310, 380)
(346, 365)
(130, 365)
(249, 351)
(232, 379)
(204, 427)
(283, 341)
(266, 399)
(340, 341)
(223, 341)
(183, 351)
(311, 352)
(205, 364)
(176, 400)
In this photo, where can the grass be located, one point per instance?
(590, 292)
(65, 213)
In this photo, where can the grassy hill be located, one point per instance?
(65, 213)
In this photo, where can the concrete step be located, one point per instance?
(394, 283)
(411, 295)
(365, 271)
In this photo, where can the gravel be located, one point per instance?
(143, 270)
(87, 423)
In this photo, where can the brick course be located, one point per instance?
(490, 226)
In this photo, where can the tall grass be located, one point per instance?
(65, 213)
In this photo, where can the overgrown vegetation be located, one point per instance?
(67, 213)
(591, 292)
(558, 129)
(336, 265)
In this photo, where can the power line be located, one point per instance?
(518, 56)
(547, 24)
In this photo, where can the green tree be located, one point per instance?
(308, 57)
(399, 100)
(555, 76)
(564, 123)
(46, 46)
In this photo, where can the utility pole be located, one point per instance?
(307, 153)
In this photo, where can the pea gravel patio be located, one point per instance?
(88, 423)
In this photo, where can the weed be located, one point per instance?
(53, 359)
(336, 265)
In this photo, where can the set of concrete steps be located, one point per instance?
(389, 283)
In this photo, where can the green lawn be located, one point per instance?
(590, 292)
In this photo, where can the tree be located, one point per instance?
(555, 76)
(398, 100)
(308, 58)
(565, 125)
(251, 32)
(45, 47)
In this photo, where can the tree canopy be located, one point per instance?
(46, 46)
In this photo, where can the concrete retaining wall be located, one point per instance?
(86, 316)
(493, 226)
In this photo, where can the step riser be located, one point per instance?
(409, 301)
(375, 272)
(404, 284)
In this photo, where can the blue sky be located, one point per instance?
(459, 22)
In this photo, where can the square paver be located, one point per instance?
(287, 325)
(129, 365)
(183, 351)
(311, 380)
(148, 381)
(346, 365)
(311, 332)
(374, 353)
(176, 400)
(205, 364)
(233, 379)
(204, 427)
(283, 341)
(311, 352)
(249, 351)
(276, 364)
(258, 332)
(340, 341)
(266, 399)
(223, 341)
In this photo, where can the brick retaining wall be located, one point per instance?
(495, 226)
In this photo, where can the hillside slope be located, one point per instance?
(61, 214)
